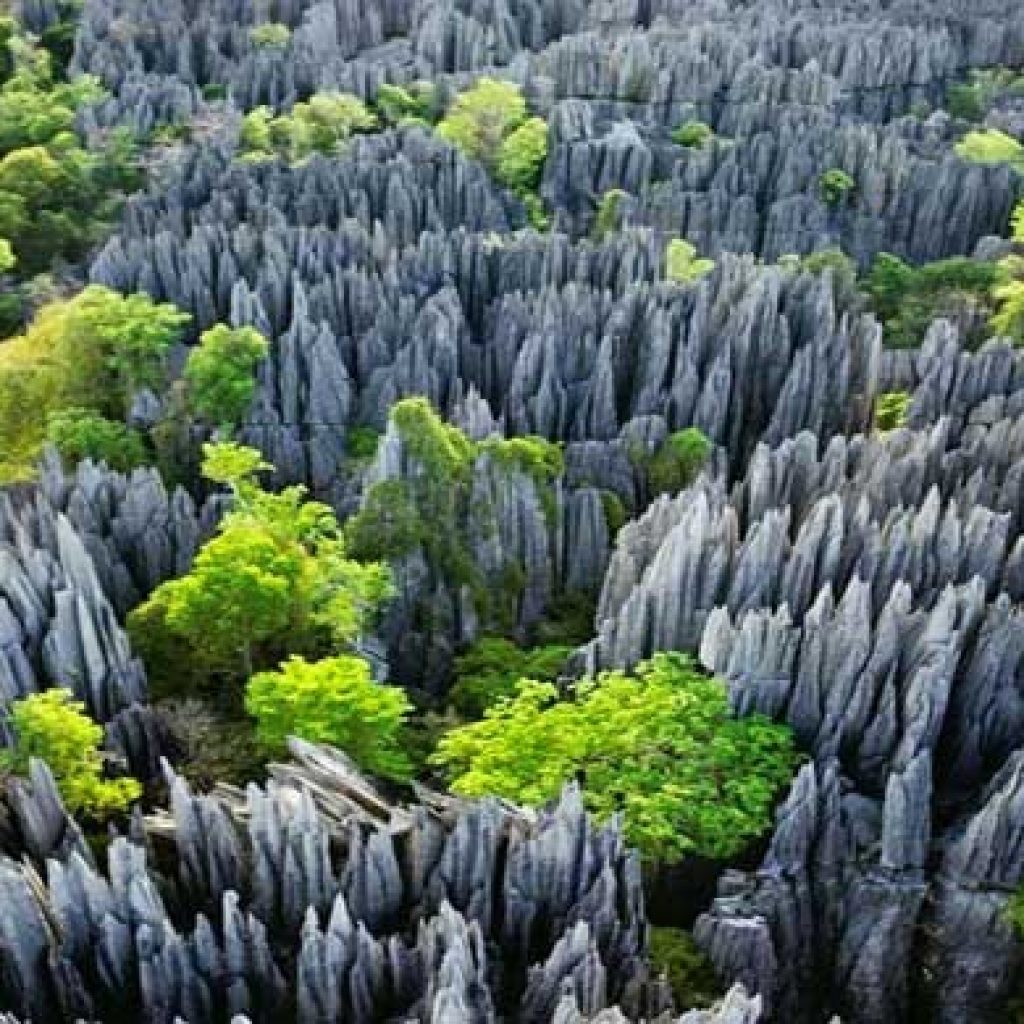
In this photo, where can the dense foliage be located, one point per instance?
(692, 135)
(54, 727)
(892, 409)
(275, 580)
(991, 146)
(322, 124)
(219, 372)
(907, 299)
(56, 197)
(835, 186)
(80, 361)
(678, 461)
(490, 670)
(333, 701)
(490, 124)
(660, 745)
(682, 264)
(674, 954)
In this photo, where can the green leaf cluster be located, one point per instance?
(675, 464)
(674, 954)
(54, 727)
(682, 265)
(991, 146)
(835, 186)
(892, 409)
(489, 123)
(219, 373)
(83, 434)
(490, 670)
(693, 135)
(907, 299)
(270, 35)
(334, 701)
(81, 360)
(322, 124)
(659, 745)
(606, 219)
(275, 579)
(415, 103)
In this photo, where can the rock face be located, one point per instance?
(317, 909)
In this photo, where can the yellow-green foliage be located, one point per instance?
(682, 265)
(270, 35)
(320, 125)
(659, 744)
(675, 465)
(693, 135)
(1008, 319)
(275, 580)
(82, 434)
(88, 353)
(333, 701)
(892, 409)
(54, 727)
(489, 123)
(991, 146)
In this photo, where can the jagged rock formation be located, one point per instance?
(297, 900)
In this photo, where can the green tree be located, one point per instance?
(693, 135)
(991, 146)
(270, 35)
(490, 670)
(606, 219)
(892, 409)
(333, 701)
(481, 117)
(660, 745)
(682, 265)
(835, 186)
(54, 727)
(276, 579)
(674, 954)
(219, 372)
(7, 257)
(82, 434)
(522, 155)
(397, 104)
(675, 465)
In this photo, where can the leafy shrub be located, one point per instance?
(361, 443)
(489, 123)
(270, 35)
(81, 434)
(691, 977)
(89, 353)
(274, 580)
(320, 125)
(682, 264)
(907, 299)
(615, 514)
(54, 727)
(396, 104)
(693, 135)
(659, 744)
(219, 372)
(835, 186)
(333, 701)
(966, 101)
(214, 91)
(522, 155)
(991, 146)
(1015, 911)
(675, 465)
(892, 409)
(490, 670)
(606, 220)
(481, 118)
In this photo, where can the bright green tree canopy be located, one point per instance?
(660, 745)
(333, 701)
(54, 727)
(219, 372)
